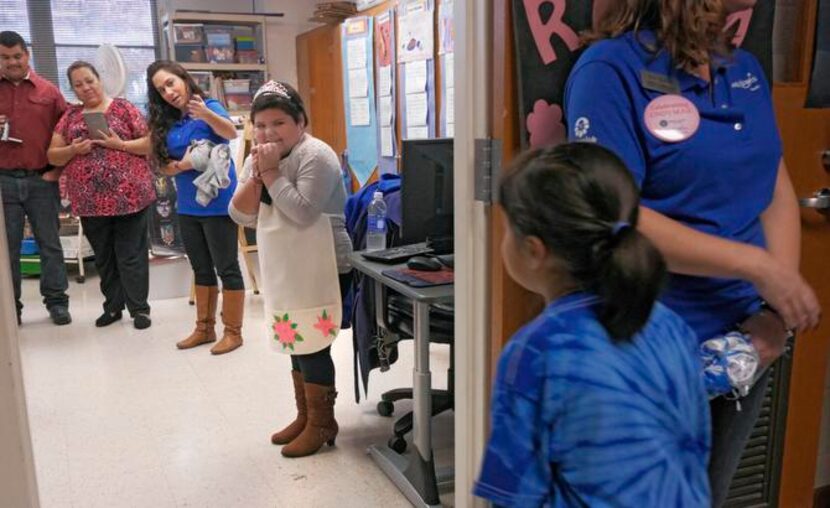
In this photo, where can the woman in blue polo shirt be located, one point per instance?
(179, 114)
(692, 118)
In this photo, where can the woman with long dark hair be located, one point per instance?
(180, 114)
(692, 117)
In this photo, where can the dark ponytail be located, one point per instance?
(582, 203)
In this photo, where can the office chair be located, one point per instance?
(399, 321)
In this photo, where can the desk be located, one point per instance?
(414, 475)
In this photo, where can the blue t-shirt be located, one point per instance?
(178, 140)
(718, 182)
(578, 420)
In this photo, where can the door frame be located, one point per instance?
(472, 224)
(18, 480)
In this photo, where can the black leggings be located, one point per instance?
(211, 245)
(318, 368)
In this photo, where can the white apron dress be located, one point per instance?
(299, 281)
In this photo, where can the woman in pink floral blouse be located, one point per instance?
(110, 186)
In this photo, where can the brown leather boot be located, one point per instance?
(206, 297)
(233, 306)
(294, 429)
(321, 426)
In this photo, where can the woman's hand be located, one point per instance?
(53, 175)
(110, 140)
(197, 108)
(171, 169)
(81, 146)
(788, 293)
(768, 334)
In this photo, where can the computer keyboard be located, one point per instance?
(397, 254)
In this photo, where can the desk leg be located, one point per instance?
(416, 476)
(421, 470)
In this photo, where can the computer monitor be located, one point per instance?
(427, 193)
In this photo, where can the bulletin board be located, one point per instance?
(446, 60)
(359, 97)
(385, 70)
(416, 66)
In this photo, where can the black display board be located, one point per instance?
(547, 41)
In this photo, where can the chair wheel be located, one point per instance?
(397, 444)
(80, 279)
(386, 408)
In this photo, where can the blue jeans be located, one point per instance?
(731, 429)
(30, 196)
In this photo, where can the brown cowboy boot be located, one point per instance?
(294, 429)
(206, 297)
(321, 426)
(233, 306)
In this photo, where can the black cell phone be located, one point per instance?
(96, 122)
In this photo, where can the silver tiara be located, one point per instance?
(275, 88)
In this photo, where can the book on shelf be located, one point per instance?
(247, 56)
(245, 42)
(237, 86)
(219, 38)
(188, 33)
(202, 79)
(190, 53)
(238, 101)
(220, 54)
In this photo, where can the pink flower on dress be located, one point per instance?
(325, 325)
(285, 332)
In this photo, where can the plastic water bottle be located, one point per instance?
(376, 226)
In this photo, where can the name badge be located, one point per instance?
(661, 83)
(672, 118)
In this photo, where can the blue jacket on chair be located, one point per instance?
(362, 297)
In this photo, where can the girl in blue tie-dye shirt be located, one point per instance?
(600, 400)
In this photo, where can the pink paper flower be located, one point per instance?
(545, 124)
(325, 325)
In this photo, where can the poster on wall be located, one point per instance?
(547, 42)
(163, 223)
(416, 65)
(446, 50)
(415, 31)
(818, 95)
(359, 97)
(386, 90)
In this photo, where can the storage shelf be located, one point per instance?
(218, 67)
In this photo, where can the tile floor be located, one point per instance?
(120, 418)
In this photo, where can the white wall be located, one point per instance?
(282, 32)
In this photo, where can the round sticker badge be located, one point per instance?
(672, 118)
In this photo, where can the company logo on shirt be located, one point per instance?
(751, 83)
(581, 127)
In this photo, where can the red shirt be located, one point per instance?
(32, 108)
(107, 182)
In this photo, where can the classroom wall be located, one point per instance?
(282, 32)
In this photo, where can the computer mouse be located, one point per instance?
(424, 264)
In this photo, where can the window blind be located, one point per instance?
(60, 32)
